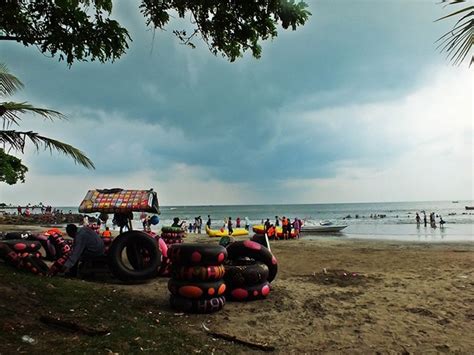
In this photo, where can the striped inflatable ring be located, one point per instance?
(196, 290)
(198, 273)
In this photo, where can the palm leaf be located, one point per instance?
(456, 13)
(10, 111)
(9, 83)
(458, 42)
(17, 140)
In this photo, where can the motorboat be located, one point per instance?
(322, 227)
(469, 207)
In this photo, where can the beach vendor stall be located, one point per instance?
(122, 203)
(134, 244)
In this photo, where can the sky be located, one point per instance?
(358, 105)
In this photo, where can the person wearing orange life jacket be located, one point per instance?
(107, 233)
(271, 232)
(284, 226)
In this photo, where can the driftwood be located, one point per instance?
(69, 325)
(254, 345)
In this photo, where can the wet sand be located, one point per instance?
(396, 297)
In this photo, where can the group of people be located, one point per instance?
(432, 219)
(196, 226)
(286, 225)
(28, 210)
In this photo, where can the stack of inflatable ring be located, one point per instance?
(23, 254)
(197, 284)
(55, 245)
(172, 235)
(249, 270)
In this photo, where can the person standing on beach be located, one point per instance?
(267, 224)
(247, 223)
(198, 224)
(418, 219)
(432, 220)
(229, 226)
(237, 222)
(297, 226)
(208, 223)
(277, 221)
(424, 218)
(441, 221)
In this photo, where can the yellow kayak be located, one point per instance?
(225, 233)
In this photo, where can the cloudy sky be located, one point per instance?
(356, 106)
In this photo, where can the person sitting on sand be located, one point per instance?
(87, 245)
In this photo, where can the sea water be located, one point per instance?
(398, 221)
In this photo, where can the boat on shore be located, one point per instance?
(469, 207)
(323, 227)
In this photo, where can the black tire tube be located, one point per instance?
(172, 240)
(239, 273)
(34, 265)
(12, 236)
(168, 229)
(9, 255)
(187, 305)
(173, 235)
(261, 239)
(196, 290)
(59, 244)
(23, 246)
(251, 249)
(137, 257)
(198, 273)
(250, 293)
(139, 240)
(197, 254)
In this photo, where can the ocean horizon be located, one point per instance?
(365, 220)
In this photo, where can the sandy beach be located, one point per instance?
(350, 296)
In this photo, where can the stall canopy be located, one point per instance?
(120, 201)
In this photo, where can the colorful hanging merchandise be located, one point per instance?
(120, 201)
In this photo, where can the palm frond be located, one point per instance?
(16, 140)
(456, 13)
(458, 42)
(10, 111)
(9, 83)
